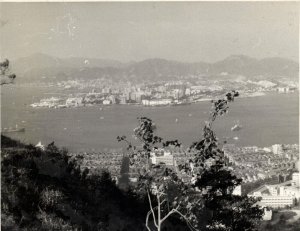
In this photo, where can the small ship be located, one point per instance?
(10, 130)
(236, 127)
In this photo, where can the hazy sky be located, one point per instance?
(195, 31)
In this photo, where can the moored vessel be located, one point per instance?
(10, 130)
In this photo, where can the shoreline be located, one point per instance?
(247, 95)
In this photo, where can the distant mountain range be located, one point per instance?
(41, 67)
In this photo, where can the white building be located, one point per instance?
(74, 102)
(283, 89)
(277, 201)
(289, 191)
(168, 160)
(156, 102)
(276, 196)
(250, 149)
(49, 102)
(267, 214)
(296, 179)
(106, 102)
(158, 156)
(237, 190)
(273, 190)
(257, 194)
(277, 149)
(188, 91)
(267, 149)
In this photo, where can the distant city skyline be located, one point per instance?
(181, 31)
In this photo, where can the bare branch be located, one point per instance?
(152, 210)
(147, 220)
(184, 217)
(164, 200)
(170, 213)
(158, 212)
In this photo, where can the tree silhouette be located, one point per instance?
(209, 188)
(124, 179)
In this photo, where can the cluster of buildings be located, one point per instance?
(52, 102)
(253, 163)
(271, 196)
(57, 102)
(105, 92)
(96, 162)
(276, 196)
(249, 163)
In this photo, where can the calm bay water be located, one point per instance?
(266, 120)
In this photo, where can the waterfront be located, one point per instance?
(266, 120)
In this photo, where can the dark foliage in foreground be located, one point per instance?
(5, 76)
(45, 190)
(281, 221)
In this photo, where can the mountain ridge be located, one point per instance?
(40, 65)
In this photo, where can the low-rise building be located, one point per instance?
(276, 196)
(277, 149)
(237, 190)
(74, 102)
(277, 201)
(106, 102)
(296, 178)
(156, 102)
(267, 214)
(283, 89)
(289, 191)
(159, 156)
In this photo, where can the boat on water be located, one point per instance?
(236, 127)
(10, 130)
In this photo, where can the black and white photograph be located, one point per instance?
(150, 116)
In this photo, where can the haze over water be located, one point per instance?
(266, 120)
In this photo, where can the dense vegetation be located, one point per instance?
(45, 190)
(282, 220)
(5, 74)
